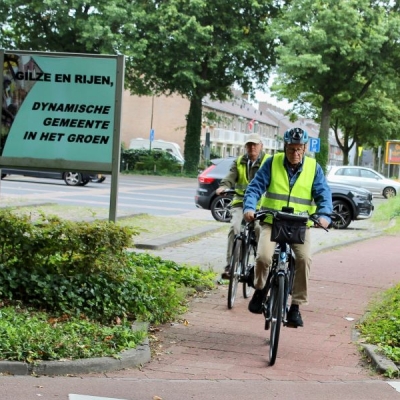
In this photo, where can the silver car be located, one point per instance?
(364, 177)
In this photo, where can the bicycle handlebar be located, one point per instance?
(232, 191)
(259, 215)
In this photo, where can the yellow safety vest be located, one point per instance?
(243, 182)
(280, 195)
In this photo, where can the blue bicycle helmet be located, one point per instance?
(295, 136)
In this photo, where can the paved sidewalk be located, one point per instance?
(209, 251)
(217, 343)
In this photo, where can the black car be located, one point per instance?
(70, 178)
(351, 202)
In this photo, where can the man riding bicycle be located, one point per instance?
(288, 179)
(240, 174)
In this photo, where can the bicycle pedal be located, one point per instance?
(289, 325)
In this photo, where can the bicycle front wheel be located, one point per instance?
(235, 266)
(249, 261)
(276, 304)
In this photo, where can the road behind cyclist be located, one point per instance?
(242, 171)
(294, 180)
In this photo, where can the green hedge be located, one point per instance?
(154, 161)
(84, 269)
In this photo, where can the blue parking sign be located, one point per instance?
(315, 145)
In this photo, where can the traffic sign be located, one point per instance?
(315, 145)
(151, 135)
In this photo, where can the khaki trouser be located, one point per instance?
(265, 252)
(236, 222)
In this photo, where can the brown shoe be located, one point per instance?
(227, 272)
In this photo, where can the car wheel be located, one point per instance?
(73, 178)
(85, 182)
(389, 192)
(342, 207)
(220, 208)
(98, 178)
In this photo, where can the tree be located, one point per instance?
(369, 122)
(197, 48)
(332, 52)
(189, 47)
(75, 26)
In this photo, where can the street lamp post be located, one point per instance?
(151, 121)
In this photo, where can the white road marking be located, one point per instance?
(395, 385)
(84, 397)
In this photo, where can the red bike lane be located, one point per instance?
(216, 343)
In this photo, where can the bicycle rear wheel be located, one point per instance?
(249, 261)
(235, 266)
(276, 304)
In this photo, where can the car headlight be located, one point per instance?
(359, 195)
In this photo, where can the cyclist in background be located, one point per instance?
(240, 174)
(294, 180)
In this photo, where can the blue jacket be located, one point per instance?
(260, 183)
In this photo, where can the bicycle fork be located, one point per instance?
(279, 268)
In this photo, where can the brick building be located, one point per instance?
(232, 121)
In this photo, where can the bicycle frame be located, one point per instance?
(282, 265)
(280, 280)
(244, 244)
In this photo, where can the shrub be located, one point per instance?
(154, 161)
(84, 269)
(28, 335)
(382, 324)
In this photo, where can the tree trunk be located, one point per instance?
(346, 156)
(192, 139)
(323, 156)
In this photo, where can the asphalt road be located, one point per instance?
(162, 196)
(154, 195)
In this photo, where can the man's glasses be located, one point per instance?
(292, 150)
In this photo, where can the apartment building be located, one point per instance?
(226, 124)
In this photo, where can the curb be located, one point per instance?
(127, 359)
(379, 361)
(162, 242)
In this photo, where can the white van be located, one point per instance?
(171, 147)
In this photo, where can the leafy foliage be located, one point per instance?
(56, 244)
(28, 335)
(388, 214)
(219, 44)
(333, 52)
(83, 269)
(382, 324)
(193, 48)
(71, 289)
(160, 162)
(74, 26)
(370, 121)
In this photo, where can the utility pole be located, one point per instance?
(151, 121)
